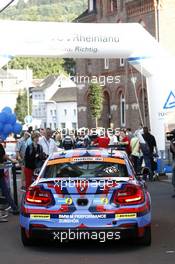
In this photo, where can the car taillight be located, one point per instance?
(131, 194)
(37, 196)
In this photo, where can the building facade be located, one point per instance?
(54, 103)
(125, 103)
(12, 82)
(61, 110)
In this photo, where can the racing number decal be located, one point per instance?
(69, 201)
(104, 200)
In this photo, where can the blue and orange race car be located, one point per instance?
(86, 194)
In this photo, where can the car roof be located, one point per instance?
(98, 152)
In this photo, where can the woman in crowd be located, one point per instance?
(34, 158)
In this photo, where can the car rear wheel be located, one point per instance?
(25, 240)
(146, 239)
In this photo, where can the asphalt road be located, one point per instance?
(162, 250)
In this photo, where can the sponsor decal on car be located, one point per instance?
(126, 216)
(82, 216)
(81, 159)
(40, 216)
(69, 201)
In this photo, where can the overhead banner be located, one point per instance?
(77, 40)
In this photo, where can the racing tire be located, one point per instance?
(146, 239)
(27, 242)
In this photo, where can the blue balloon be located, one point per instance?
(7, 118)
(2, 117)
(17, 128)
(1, 127)
(7, 110)
(8, 129)
(12, 120)
(3, 136)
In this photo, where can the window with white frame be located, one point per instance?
(65, 112)
(106, 64)
(75, 112)
(122, 110)
(122, 62)
(91, 5)
(63, 125)
(74, 125)
(111, 5)
(51, 112)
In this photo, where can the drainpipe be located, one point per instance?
(157, 21)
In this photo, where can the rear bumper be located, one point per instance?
(103, 235)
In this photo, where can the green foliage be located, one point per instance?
(44, 10)
(96, 101)
(69, 66)
(41, 67)
(21, 106)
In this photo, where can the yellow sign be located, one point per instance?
(68, 200)
(125, 216)
(40, 216)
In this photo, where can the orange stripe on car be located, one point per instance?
(81, 159)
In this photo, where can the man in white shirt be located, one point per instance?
(48, 144)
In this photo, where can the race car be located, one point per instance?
(86, 194)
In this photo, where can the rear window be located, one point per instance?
(85, 169)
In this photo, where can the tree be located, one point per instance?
(21, 106)
(41, 67)
(96, 101)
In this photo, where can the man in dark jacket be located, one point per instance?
(151, 142)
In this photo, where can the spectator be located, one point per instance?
(3, 184)
(136, 153)
(172, 149)
(151, 142)
(125, 141)
(34, 158)
(102, 141)
(20, 153)
(129, 133)
(80, 140)
(87, 140)
(68, 142)
(113, 139)
(47, 142)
